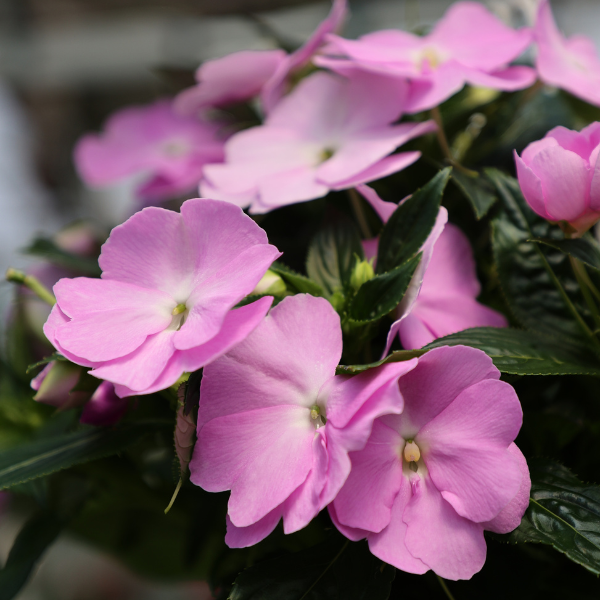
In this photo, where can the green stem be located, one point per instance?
(443, 142)
(31, 282)
(580, 275)
(359, 213)
(175, 494)
(584, 327)
(445, 587)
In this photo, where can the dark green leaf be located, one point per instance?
(477, 191)
(528, 287)
(333, 569)
(41, 457)
(48, 250)
(563, 512)
(398, 356)
(33, 540)
(585, 249)
(525, 352)
(332, 256)
(302, 284)
(378, 296)
(410, 224)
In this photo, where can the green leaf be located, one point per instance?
(587, 250)
(398, 356)
(528, 287)
(477, 191)
(378, 296)
(410, 224)
(333, 569)
(45, 361)
(563, 512)
(41, 457)
(48, 250)
(332, 256)
(302, 284)
(33, 540)
(521, 352)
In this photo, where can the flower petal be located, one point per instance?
(242, 537)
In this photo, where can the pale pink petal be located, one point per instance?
(287, 187)
(274, 89)
(264, 370)
(125, 315)
(350, 532)
(432, 89)
(381, 207)
(353, 404)
(509, 79)
(510, 516)
(531, 186)
(366, 499)
(304, 503)
(389, 545)
(238, 324)
(262, 455)
(465, 448)
(472, 35)
(451, 546)
(138, 370)
(233, 78)
(441, 375)
(532, 149)
(413, 331)
(386, 166)
(565, 181)
(242, 537)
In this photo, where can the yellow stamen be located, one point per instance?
(411, 452)
(179, 309)
(315, 411)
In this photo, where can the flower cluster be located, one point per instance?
(414, 453)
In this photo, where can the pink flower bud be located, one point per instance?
(54, 384)
(559, 176)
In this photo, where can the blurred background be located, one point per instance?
(65, 65)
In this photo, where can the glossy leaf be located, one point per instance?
(40, 457)
(587, 250)
(332, 255)
(333, 569)
(527, 285)
(410, 224)
(522, 352)
(378, 296)
(34, 538)
(398, 356)
(563, 512)
(300, 283)
(477, 191)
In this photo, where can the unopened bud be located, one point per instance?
(270, 283)
(363, 272)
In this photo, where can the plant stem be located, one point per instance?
(31, 282)
(445, 587)
(359, 213)
(584, 327)
(581, 275)
(443, 141)
(175, 494)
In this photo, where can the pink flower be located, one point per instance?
(432, 479)
(469, 45)
(559, 176)
(234, 78)
(54, 384)
(170, 150)
(275, 424)
(163, 305)
(571, 64)
(241, 76)
(329, 133)
(441, 297)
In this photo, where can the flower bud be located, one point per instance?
(559, 176)
(363, 271)
(270, 283)
(54, 384)
(105, 407)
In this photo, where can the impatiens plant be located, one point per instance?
(347, 391)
